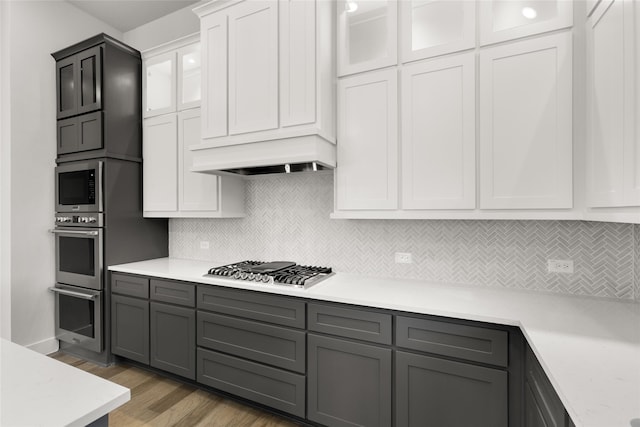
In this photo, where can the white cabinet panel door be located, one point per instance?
(438, 134)
(198, 191)
(612, 155)
(367, 172)
(367, 35)
(189, 77)
(502, 20)
(159, 153)
(436, 27)
(297, 62)
(159, 84)
(253, 67)
(526, 124)
(213, 33)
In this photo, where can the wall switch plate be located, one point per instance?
(560, 266)
(204, 244)
(403, 258)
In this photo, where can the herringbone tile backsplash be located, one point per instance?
(288, 219)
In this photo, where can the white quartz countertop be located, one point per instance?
(36, 390)
(589, 347)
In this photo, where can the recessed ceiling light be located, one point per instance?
(529, 12)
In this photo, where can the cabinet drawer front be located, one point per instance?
(350, 323)
(126, 284)
(270, 386)
(267, 308)
(439, 392)
(273, 345)
(447, 339)
(546, 399)
(173, 292)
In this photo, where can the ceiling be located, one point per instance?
(126, 15)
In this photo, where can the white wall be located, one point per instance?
(37, 28)
(5, 170)
(170, 27)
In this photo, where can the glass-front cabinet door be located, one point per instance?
(160, 84)
(436, 27)
(189, 77)
(502, 20)
(367, 35)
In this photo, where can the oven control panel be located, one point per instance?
(80, 220)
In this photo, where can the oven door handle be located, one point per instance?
(72, 293)
(84, 233)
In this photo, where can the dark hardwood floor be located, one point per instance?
(159, 401)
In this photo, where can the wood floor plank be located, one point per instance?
(158, 401)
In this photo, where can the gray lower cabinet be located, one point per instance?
(349, 383)
(269, 386)
(130, 328)
(432, 391)
(542, 406)
(173, 339)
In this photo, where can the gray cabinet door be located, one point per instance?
(436, 392)
(130, 328)
(80, 133)
(349, 383)
(66, 83)
(68, 136)
(173, 339)
(542, 404)
(270, 344)
(89, 90)
(263, 384)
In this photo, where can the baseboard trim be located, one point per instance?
(48, 346)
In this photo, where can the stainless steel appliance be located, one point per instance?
(79, 186)
(285, 273)
(79, 285)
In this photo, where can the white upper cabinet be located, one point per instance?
(160, 171)
(268, 73)
(189, 77)
(160, 84)
(367, 175)
(253, 67)
(613, 168)
(526, 124)
(171, 76)
(367, 35)
(438, 134)
(436, 27)
(502, 20)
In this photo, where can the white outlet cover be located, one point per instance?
(560, 266)
(204, 245)
(403, 258)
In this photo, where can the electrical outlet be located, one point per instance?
(403, 258)
(204, 244)
(560, 266)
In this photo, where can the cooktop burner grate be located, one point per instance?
(277, 272)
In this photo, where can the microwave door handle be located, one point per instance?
(84, 233)
(71, 293)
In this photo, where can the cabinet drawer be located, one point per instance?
(539, 388)
(173, 292)
(350, 323)
(448, 339)
(126, 284)
(273, 345)
(267, 308)
(270, 386)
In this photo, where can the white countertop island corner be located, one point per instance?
(589, 347)
(36, 390)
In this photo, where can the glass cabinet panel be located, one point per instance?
(502, 20)
(160, 80)
(189, 79)
(436, 27)
(366, 35)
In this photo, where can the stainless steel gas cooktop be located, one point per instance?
(285, 273)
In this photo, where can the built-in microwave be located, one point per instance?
(79, 187)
